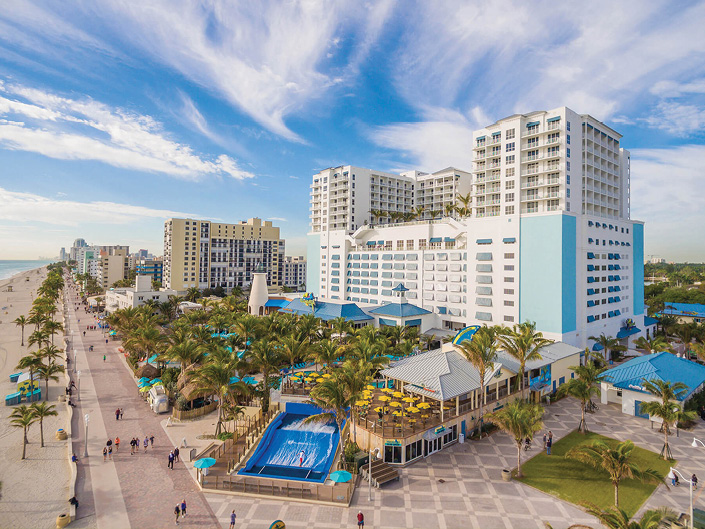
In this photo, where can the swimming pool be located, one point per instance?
(278, 453)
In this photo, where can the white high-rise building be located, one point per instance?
(546, 235)
(294, 271)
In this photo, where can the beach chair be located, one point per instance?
(13, 399)
(14, 377)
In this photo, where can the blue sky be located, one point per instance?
(117, 115)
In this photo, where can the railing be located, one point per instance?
(186, 415)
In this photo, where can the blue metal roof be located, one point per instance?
(277, 303)
(624, 332)
(648, 321)
(656, 366)
(327, 310)
(399, 310)
(684, 309)
(597, 347)
(400, 288)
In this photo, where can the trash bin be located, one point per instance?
(360, 459)
(506, 474)
(461, 438)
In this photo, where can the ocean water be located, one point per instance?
(10, 268)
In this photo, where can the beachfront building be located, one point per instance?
(114, 266)
(294, 271)
(546, 234)
(122, 298)
(623, 384)
(150, 267)
(431, 400)
(77, 245)
(205, 254)
(684, 312)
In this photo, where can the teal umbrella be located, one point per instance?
(340, 476)
(156, 381)
(205, 462)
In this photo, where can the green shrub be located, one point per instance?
(225, 435)
(181, 402)
(351, 449)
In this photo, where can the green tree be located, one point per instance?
(192, 294)
(21, 322)
(524, 343)
(653, 345)
(481, 352)
(333, 397)
(609, 345)
(41, 411)
(616, 518)
(32, 362)
(185, 352)
(520, 420)
(293, 349)
(617, 462)
(23, 417)
(214, 379)
(667, 408)
(49, 372)
(265, 358)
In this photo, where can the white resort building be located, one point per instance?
(544, 233)
(122, 298)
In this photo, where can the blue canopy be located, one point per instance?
(205, 462)
(435, 239)
(340, 476)
(624, 332)
(152, 358)
(597, 347)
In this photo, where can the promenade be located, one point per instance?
(131, 491)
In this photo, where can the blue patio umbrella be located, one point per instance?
(143, 379)
(340, 476)
(205, 462)
(143, 384)
(156, 381)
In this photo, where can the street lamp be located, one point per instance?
(73, 346)
(695, 442)
(86, 420)
(78, 390)
(672, 475)
(374, 453)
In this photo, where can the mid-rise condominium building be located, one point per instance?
(204, 254)
(150, 267)
(294, 271)
(542, 232)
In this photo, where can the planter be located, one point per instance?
(61, 434)
(62, 398)
(62, 521)
(506, 474)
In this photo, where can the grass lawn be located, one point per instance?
(576, 482)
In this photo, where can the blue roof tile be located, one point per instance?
(328, 310)
(399, 310)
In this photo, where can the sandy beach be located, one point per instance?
(34, 491)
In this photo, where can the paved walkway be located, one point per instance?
(130, 491)
(461, 487)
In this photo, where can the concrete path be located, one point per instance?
(137, 491)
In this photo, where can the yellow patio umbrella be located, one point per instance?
(385, 398)
(361, 403)
(397, 413)
(380, 409)
(320, 379)
(423, 405)
(395, 404)
(425, 416)
(412, 421)
(412, 409)
(327, 375)
(370, 386)
(408, 399)
(388, 390)
(398, 394)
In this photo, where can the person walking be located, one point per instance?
(177, 512)
(146, 442)
(151, 441)
(360, 519)
(171, 461)
(176, 454)
(545, 438)
(110, 453)
(233, 517)
(694, 479)
(121, 413)
(103, 358)
(549, 444)
(117, 414)
(109, 443)
(105, 454)
(133, 446)
(117, 444)
(550, 435)
(183, 508)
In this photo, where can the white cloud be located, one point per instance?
(30, 207)
(675, 89)
(677, 118)
(280, 219)
(70, 129)
(268, 58)
(666, 186)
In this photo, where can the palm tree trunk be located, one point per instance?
(582, 424)
(519, 474)
(521, 379)
(616, 494)
(41, 431)
(665, 442)
(482, 402)
(46, 396)
(24, 443)
(22, 344)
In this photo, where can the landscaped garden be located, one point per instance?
(578, 482)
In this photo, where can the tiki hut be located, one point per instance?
(147, 370)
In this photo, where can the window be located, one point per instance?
(509, 172)
(568, 139)
(508, 303)
(510, 159)
(509, 134)
(510, 147)
(509, 197)
(509, 280)
(509, 210)
(509, 291)
(567, 193)
(509, 318)
(567, 152)
(567, 166)
(567, 181)
(509, 256)
(509, 267)
(509, 184)
(567, 126)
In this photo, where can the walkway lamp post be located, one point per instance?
(86, 420)
(695, 442)
(78, 389)
(373, 453)
(73, 346)
(672, 475)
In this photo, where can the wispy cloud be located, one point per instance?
(30, 207)
(70, 129)
(280, 219)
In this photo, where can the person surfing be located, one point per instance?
(302, 454)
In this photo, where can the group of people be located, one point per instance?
(135, 444)
(173, 456)
(693, 479)
(180, 510)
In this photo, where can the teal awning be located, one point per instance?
(371, 243)
(480, 138)
(448, 239)
(435, 239)
(484, 241)
(557, 118)
(597, 347)
(533, 124)
(509, 239)
(496, 134)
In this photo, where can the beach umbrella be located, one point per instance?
(320, 379)
(361, 403)
(327, 375)
(143, 379)
(143, 384)
(385, 398)
(423, 405)
(380, 409)
(144, 389)
(398, 394)
(395, 404)
(408, 399)
(412, 409)
(370, 386)
(396, 412)
(340, 476)
(204, 462)
(157, 381)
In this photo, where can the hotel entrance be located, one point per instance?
(431, 447)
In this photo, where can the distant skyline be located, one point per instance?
(115, 116)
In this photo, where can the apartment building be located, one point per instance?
(114, 266)
(150, 267)
(206, 254)
(546, 235)
(294, 271)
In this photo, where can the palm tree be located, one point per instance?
(616, 518)
(185, 352)
(667, 409)
(524, 343)
(449, 209)
(427, 340)
(39, 338)
(465, 209)
(52, 327)
(608, 344)
(520, 420)
(481, 352)
(341, 327)
(23, 417)
(246, 326)
(434, 213)
(355, 374)
(41, 410)
(325, 353)
(192, 294)
(654, 345)
(48, 372)
(32, 361)
(51, 352)
(266, 359)
(21, 321)
(293, 349)
(214, 378)
(419, 211)
(617, 462)
(333, 398)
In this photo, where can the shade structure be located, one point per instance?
(361, 403)
(412, 409)
(408, 399)
(143, 379)
(423, 405)
(327, 375)
(320, 379)
(396, 412)
(385, 398)
(205, 462)
(143, 384)
(145, 389)
(395, 404)
(388, 390)
(340, 476)
(156, 381)
(398, 394)
(380, 409)
(370, 386)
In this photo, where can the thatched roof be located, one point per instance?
(191, 391)
(185, 377)
(147, 370)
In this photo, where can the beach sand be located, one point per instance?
(34, 491)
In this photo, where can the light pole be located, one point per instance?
(78, 390)
(86, 420)
(695, 442)
(374, 453)
(73, 346)
(672, 475)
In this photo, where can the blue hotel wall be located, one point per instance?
(638, 267)
(313, 263)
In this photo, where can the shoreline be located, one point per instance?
(5, 281)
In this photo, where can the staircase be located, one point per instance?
(381, 473)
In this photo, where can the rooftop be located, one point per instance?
(549, 354)
(327, 310)
(684, 309)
